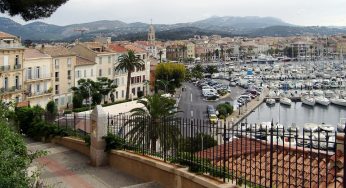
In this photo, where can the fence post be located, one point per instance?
(164, 139)
(271, 155)
(344, 152)
(224, 151)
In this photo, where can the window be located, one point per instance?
(56, 89)
(17, 82)
(17, 60)
(116, 94)
(37, 72)
(143, 78)
(78, 74)
(56, 63)
(69, 63)
(6, 83)
(100, 72)
(69, 74)
(37, 88)
(122, 93)
(109, 71)
(133, 91)
(29, 73)
(57, 76)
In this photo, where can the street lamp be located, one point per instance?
(165, 83)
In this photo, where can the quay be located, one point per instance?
(242, 112)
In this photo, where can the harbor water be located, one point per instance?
(297, 113)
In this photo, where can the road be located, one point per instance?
(193, 106)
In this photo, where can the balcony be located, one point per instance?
(39, 93)
(17, 67)
(12, 89)
(40, 77)
(5, 68)
(57, 79)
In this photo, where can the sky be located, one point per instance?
(298, 12)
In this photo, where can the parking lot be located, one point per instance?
(194, 105)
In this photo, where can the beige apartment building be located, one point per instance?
(190, 50)
(11, 69)
(37, 77)
(63, 63)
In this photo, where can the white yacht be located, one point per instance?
(270, 101)
(308, 101)
(341, 125)
(322, 100)
(285, 101)
(340, 102)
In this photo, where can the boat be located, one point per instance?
(340, 102)
(285, 101)
(293, 128)
(310, 127)
(322, 100)
(310, 101)
(270, 101)
(341, 125)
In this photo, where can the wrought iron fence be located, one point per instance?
(264, 155)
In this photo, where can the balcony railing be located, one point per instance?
(38, 93)
(17, 66)
(10, 89)
(5, 68)
(37, 77)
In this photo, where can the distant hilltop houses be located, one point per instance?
(34, 74)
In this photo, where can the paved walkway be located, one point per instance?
(63, 167)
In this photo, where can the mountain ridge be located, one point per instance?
(225, 26)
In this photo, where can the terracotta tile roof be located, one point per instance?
(83, 61)
(4, 35)
(134, 48)
(34, 53)
(57, 51)
(117, 48)
(292, 167)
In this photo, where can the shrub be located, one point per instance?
(224, 110)
(113, 142)
(26, 116)
(77, 101)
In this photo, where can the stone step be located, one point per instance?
(151, 184)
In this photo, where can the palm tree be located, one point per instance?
(160, 54)
(129, 62)
(154, 122)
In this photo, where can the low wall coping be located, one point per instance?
(175, 169)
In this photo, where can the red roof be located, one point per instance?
(292, 166)
(117, 48)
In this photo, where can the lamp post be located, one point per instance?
(165, 83)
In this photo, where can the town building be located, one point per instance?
(63, 63)
(37, 77)
(11, 68)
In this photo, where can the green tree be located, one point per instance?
(14, 155)
(30, 9)
(129, 62)
(197, 71)
(105, 86)
(153, 120)
(211, 69)
(224, 110)
(52, 110)
(173, 74)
